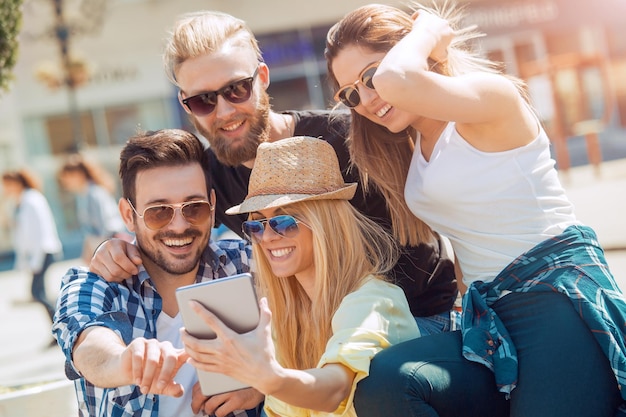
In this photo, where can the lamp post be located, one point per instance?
(62, 33)
(74, 73)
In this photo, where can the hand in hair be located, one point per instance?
(440, 30)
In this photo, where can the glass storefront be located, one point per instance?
(297, 68)
(49, 139)
(572, 54)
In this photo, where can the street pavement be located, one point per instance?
(26, 358)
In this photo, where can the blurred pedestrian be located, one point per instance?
(96, 206)
(35, 237)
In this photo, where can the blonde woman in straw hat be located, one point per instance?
(327, 308)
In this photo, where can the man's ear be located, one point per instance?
(180, 100)
(264, 75)
(212, 200)
(127, 213)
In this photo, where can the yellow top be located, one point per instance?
(370, 319)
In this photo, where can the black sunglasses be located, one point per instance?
(158, 216)
(284, 225)
(236, 92)
(349, 94)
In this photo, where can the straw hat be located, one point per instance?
(295, 169)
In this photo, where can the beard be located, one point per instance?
(176, 266)
(259, 132)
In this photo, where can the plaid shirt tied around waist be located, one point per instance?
(571, 263)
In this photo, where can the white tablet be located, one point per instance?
(233, 300)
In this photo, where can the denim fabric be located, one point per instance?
(443, 322)
(572, 264)
(562, 370)
(38, 287)
(428, 377)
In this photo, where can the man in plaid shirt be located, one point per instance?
(122, 340)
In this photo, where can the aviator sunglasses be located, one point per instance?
(158, 216)
(236, 92)
(349, 94)
(284, 225)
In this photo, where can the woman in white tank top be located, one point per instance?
(458, 150)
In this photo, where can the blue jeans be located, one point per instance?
(38, 287)
(443, 322)
(562, 370)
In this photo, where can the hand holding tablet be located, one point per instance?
(233, 300)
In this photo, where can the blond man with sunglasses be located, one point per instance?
(122, 340)
(215, 62)
(322, 268)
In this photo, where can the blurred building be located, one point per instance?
(572, 53)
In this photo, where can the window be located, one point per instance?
(61, 134)
(121, 123)
(297, 68)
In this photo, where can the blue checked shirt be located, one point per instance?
(129, 308)
(573, 264)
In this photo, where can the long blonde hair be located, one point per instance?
(302, 326)
(382, 157)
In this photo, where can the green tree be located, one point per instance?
(10, 22)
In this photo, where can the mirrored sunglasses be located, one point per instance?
(349, 94)
(158, 216)
(283, 225)
(237, 92)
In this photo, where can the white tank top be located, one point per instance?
(493, 206)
